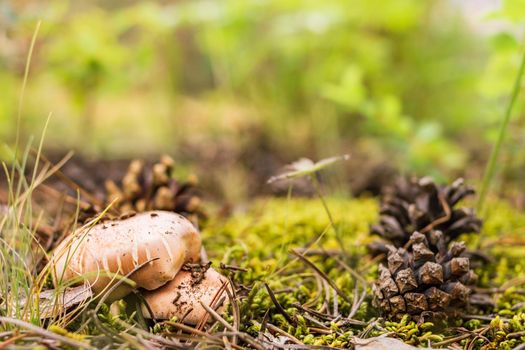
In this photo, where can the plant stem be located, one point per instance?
(328, 213)
(491, 165)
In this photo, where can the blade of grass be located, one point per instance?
(320, 195)
(491, 165)
(22, 91)
(46, 334)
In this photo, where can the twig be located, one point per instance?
(316, 313)
(216, 301)
(279, 307)
(321, 252)
(352, 271)
(46, 333)
(460, 337)
(482, 318)
(264, 323)
(372, 262)
(246, 337)
(150, 335)
(323, 275)
(438, 221)
(190, 330)
(235, 308)
(11, 340)
(282, 332)
(357, 303)
(224, 266)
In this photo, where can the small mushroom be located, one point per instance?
(161, 240)
(182, 297)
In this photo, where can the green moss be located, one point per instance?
(62, 331)
(260, 239)
(273, 226)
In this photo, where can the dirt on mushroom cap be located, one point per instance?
(182, 297)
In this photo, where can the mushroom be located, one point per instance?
(182, 297)
(160, 241)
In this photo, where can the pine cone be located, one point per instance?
(418, 281)
(153, 188)
(421, 205)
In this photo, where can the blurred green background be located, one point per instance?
(241, 87)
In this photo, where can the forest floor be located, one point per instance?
(302, 277)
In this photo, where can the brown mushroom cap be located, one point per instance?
(99, 252)
(182, 297)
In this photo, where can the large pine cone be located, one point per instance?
(421, 205)
(417, 281)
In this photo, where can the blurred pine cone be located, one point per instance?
(420, 282)
(153, 188)
(422, 205)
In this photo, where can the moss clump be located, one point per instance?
(273, 226)
(260, 240)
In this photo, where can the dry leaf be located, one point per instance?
(52, 304)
